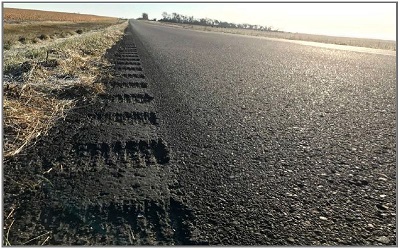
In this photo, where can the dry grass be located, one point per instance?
(27, 114)
(359, 42)
(42, 82)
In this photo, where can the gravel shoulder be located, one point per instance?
(101, 176)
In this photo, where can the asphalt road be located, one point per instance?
(276, 143)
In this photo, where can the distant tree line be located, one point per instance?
(145, 16)
(178, 18)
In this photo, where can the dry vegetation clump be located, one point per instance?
(27, 114)
(42, 82)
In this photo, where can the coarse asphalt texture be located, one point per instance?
(215, 139)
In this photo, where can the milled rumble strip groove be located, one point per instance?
(140, 153)
(127, 63)
(124, 222)
(127, 56)
(125, 60)
(129, 68)
(126, 117)
(131, 54)
(132, 66)
(130, 75)
(128, 84)
(128, 51)
(129, 98)
(125, 48)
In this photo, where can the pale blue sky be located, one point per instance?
(371, 20)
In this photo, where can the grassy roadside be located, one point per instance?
(42, 81)
(359, 42)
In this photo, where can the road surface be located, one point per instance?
(216, 139)
(275, 142)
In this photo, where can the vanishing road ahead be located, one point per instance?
(276, 142)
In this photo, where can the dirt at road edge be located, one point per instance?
(101, 177)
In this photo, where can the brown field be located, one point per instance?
(11, 15)
(35, 26)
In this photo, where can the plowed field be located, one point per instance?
(22, 15)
